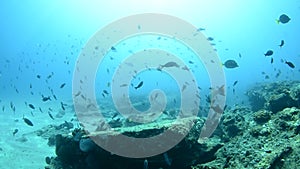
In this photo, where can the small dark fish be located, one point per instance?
(167, 159)
(77, 94)
(62, 106)
(221, 90)
(185, 68)
(123, 85)
(49, 76)
(169, 64)
(210, 38)
(225, 107)
(113, 48)
(183, 88)
(277, 75)
(62, 85)
(290, 64)
(146, 165)
(230, 64)
(15, 132)
(191, 62)
(40, 109)
(38, 76)
(272, 60)
(115, 115)
(31, 106)
(44, 99)
(240, 55)
(12, 106)
(281, 44)
(27, 121)
(54, 96)
(269, 53)
(267, 77)
(139, 85)
(105, 92)
(51, 90)
(83, 97)
(207, 98)
(200, 29)
(283, 19)
(50, 115)
(48, 160)
(30, 86)
(235, 83)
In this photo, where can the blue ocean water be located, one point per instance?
(41, 41)
(47, 37)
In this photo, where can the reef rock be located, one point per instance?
(275, 96)
(78, 150)
(265, 135)
(271, 144)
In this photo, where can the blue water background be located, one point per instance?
(41, 37)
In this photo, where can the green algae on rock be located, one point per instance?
(275, 96)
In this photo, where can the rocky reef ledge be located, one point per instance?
(275, 96)
(266, 135)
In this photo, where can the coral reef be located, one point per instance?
(266, 135)
(275, 96)
(80, 152)
(272, 144)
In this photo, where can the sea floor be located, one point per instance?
(26, 149)
(264, 134)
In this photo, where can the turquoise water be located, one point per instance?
(45, 35)
(45, 38)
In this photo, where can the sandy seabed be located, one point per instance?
(25, 149)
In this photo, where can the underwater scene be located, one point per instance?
(150, 84)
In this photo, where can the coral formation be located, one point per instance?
(275, 96)
(265, 135)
